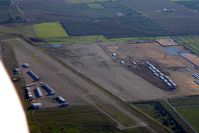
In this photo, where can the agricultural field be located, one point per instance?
(173, 17)
(161, 114)
(188, 107)
(191, 115)
(87, 1)
(71, 120)
(189, 42)
(191, 4)
(49, 30)
(5, 2)
(115, 20)
(9, 13)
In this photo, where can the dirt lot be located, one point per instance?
(192, 58)
(92, 61)
(167, 59)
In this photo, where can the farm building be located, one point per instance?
(33, 75)
(48, 89)
(39, 93)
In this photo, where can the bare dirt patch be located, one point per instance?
(166, 59)
(93, 62)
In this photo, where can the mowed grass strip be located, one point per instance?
(74, 119)
(191, 115)
(49, 30)
(113, 112)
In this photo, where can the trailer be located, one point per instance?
(64, 104)
(196, 76)
(114, 54)
(122, 62)
(25, 65)
(28, 92)
(161, 77)
(197, 81)
(48, 89)
(33, 75)
(36, 105)
(60, 99)
(156, 74)
(39, 93)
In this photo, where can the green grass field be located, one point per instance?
(185, 101)
(191, 115)
(78, 119)
(49, 30)
(188, 107)
(149, 108)
(189, 42)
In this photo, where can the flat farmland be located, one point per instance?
(47, 10)
(153, 8)
(191, 115)
(87, 1)
(71, 120)
(188, 107)
(114, 20)
(5, 2)
(191, 4)
(9, 14)
(182, 25)
(49, 30)
(94, 18)
(79, 119)
(173, 17)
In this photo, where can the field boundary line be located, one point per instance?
(181, 117)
